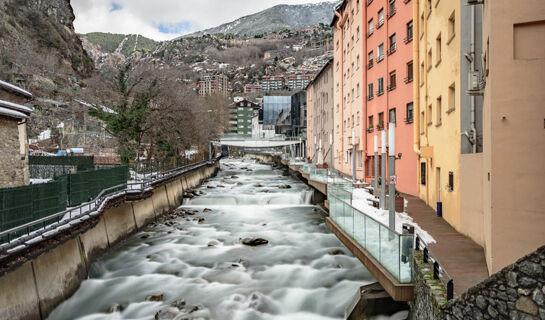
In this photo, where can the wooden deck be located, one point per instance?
(462, 258)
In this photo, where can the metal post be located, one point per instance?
(450, 290)
(353, 156)
(392, 174)
(375, 188)
(383, 173)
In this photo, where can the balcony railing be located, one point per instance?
(369, 98)
(369, 2)
(408, 39)
(392, 12)
(380, 58)
(408, 80)
(370, 64)
(380, 92)
(370, 33)
(393, 48)
(380, 23)
(391, 86)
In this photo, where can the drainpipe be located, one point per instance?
(416, 87)
(473, 139)
(340, 26)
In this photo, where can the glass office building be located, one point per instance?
(272, 106)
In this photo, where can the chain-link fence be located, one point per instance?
(41, 167)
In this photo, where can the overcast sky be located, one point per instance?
(164, 19)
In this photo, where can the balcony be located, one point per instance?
(380, 58)
(391, 13)
(408, 39)
(370, 64)
(409, 120)
(380, 92)
(370, 129)
(391, 87)
(380, 23)
(370, 33)
(369, 2)
(369, 98)
(408, 80)
(392, 49)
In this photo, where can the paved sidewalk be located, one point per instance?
(462, 258)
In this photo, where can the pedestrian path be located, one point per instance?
(462, 258)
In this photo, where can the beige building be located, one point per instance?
(13, 136)
(505, 210)
(320, 116)
(218, 84)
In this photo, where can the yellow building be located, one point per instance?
(446, 127)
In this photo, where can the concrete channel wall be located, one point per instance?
(33, 289)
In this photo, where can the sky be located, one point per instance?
(164, 19)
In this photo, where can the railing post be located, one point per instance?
(435, 270)
(450, 290)
(417, 243)
(426, 255)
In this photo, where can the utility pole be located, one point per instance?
(392, 174)
(375, 188)
(383, 144)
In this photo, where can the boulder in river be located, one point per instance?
(254, 242)
(285, 186)
(165, 315)
(259, 185)
(335, 252)
(234, 177)
(155, 297)
(207, 210)
(180, 303)
(189, 195)
(211, 187)
(117, 307)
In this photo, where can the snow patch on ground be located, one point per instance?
(359, 201)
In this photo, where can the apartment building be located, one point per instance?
(218, 84)
(272, 83)
(448, 120)
(320, 116)
(245, 112)
(505, 210)
(252, 88)
(298, 81)
(373, 77)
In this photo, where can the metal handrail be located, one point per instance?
(439, 273)
(79, 211)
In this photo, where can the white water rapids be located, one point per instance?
(294, 276)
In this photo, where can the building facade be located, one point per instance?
(218, 84)
(272, 106)
(245, 111)
(13, 136)
(373, 86)
(320, 116)
(298, 81)
(272, 83)
(443, 108)
(252, 88)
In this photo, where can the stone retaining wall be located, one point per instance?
(33, 289)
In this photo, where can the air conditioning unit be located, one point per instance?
(474, 83)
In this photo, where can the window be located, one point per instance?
(393, 44)
(371, 126)
(358, 89)
(380, 86)
(353, 69)
(410, 113)
(353, 95)
(392, 84)
(360, 159)
(380, 52)
(358, 5)
(352, 121)
(428, 116)
(370, 91)
(429, 7)
(370, 60)
(438, 50)
(438, 116)
(423, 173)
(392, 116)
(409, 72)
(409, 32)
(358, 62)
(381, 120)
(370, 30)
(380, 18)
(422, 73)
(429, 60)
(358, 33)
(422, 122)
(346, 157)
(451, 181)
(391, 8)
(358, 119)
(451, 98)
(451, 27)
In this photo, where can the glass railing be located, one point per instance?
(319, 175)
(389, 248)
(307, 168)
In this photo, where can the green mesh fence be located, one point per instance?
(25, 204)
(81, 162)
(87, 185)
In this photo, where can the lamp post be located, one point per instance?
(376, 165)
(392, 173)
(383, 145)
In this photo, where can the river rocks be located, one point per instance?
(526, 305)
(254, 242)
(285, 186)
(165, 315)
(180, 303)
(145, 236)
(117, 307)
(189, 195)
(155, 297)
(207, 210)
(213, 243)
(258, 185)
(531, 269)
(335, 252)
(194, 309)
(234, 177)
(210, 187)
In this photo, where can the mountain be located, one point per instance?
(277, 18)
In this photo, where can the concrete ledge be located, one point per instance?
(119, 222)
(160, 200)
(58, 274)
(398, 291)
(95, 241)
(19, 299)
(144, 212)
(322, 187)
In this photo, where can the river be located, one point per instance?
(196, 267)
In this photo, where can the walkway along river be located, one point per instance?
(196, 266)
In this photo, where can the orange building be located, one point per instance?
(373, 86)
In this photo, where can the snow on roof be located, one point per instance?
(10, 87)
(12, 113)
(15, 107)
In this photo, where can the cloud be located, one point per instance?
(164, 19)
